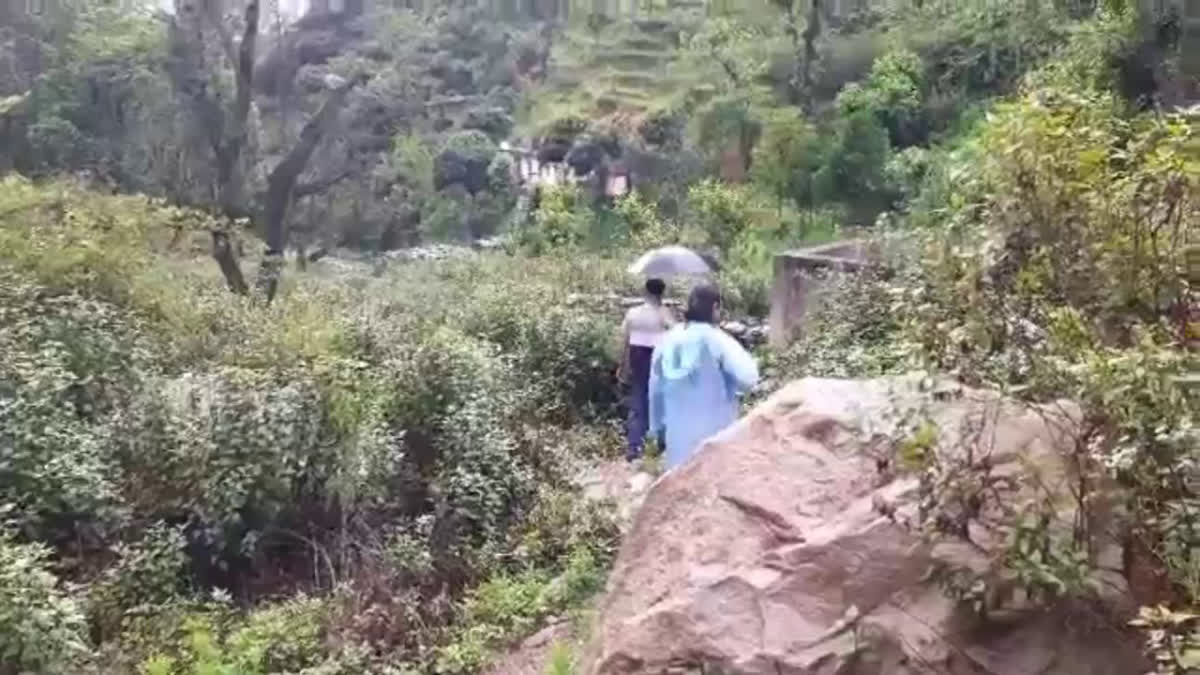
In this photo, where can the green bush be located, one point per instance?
(395, 430)
(71, 364)
(1059, 268)
(146, 573)
(853, 172)
(894, 93)
(508, 606)
(42, 629)
(282, 638)
(723, 211)
(852, 332)
(972, 48)
(562, 220)
(787, 157)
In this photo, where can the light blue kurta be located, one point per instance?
(695, 376)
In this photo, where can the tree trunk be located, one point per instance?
(281, 186)
(222, 252)
(811, 32)
(227, 129)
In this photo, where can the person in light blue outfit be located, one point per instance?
(696, 374)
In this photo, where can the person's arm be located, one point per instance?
(657, 420)
(668, 318)
(737, 363)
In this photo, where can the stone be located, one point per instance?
(734, 328)
(771, 551)
(546, 635)
(640, 482)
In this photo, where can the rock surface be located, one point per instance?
(624, 484)
(769, 551)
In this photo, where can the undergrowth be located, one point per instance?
(383, 444)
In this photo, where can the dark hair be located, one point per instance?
(702, 304)
(656, 287)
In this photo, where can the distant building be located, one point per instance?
(618, 181)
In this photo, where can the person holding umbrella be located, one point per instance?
(643, 327)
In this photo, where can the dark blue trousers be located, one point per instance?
(639, 399)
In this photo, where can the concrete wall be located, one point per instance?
(800, 276)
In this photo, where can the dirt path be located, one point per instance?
(532, 656)
(627, 485)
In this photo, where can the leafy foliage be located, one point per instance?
(391, 454)
(894, 93)
(1057, 266)
(41, 627)
(434, 414)
(787, 158)
(854, 171)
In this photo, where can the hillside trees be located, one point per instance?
(802, 24)
(228, 131)
(83, 92)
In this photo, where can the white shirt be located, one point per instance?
(646, 324)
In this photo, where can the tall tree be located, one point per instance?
(227, 128)
(804, 45)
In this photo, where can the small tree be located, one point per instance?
(787, 158)
(854, 168)
(894, 93)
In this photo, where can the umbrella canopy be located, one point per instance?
(669, 262)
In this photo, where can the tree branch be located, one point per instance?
(222, 251)
(281, 183)
(225, 37)
(245, 62)
(318, 186)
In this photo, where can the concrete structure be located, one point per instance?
(800, 276)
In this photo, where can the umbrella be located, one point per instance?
(670, 261)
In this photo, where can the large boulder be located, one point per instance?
(789, 544)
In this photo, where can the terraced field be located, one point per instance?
(625, 68)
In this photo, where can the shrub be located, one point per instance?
(387, 435)
(894, 93)
(70, 364)
(145, 573)
(464, 160)
(562, 220)
(853, 172)
(787, 157)
(507, 606)
(560, 525)
(281, 638)
(852, 331)
(722, 211)
(1062, 272)
(981, 47)
(41, 627)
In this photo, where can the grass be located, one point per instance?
(562, 660)
(505, 608)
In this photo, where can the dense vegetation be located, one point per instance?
(346, 469)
